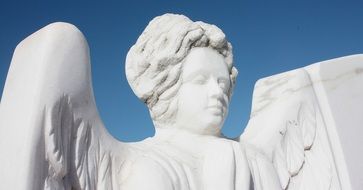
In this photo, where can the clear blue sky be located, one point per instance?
(268, 37)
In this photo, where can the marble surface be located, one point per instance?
(317, 107)
(304, 130)
(339, 89)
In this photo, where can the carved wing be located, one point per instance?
(298, 163)
(51, 135)
(292, 138)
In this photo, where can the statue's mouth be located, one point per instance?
(216, 109)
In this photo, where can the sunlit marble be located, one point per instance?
(304, 130)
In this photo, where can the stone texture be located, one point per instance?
(304, 131)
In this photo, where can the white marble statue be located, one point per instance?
(304, 131)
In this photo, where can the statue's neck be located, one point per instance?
(182, 134)
(183, 139)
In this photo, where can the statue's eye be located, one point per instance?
(200, 79)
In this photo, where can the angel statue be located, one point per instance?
(51, 135)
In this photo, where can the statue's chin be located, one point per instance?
(214, 123)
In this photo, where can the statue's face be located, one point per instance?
(203, 96)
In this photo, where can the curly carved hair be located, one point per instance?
(154, 63)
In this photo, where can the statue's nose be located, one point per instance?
(215, 90)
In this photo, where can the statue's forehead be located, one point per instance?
(204, 60)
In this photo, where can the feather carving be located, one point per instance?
(298, 164)
(307, 122)
(58, 123)
(280, 166)
(292, 146)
